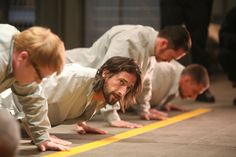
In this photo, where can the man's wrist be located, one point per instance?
(41, 138)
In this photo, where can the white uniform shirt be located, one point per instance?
(165, 81)
(70, 94)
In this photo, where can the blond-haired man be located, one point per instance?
(25, 59)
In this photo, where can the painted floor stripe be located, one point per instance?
(127, 134)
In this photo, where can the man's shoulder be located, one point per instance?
(132, 28)
(8, 26)
(73, 75)
(6, 33)
(79, 70)
(167, 70)
(8, 29)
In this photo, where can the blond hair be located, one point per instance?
(45, 48)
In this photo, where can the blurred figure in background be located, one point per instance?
(227, 55)
(9, 134)
(195, 15)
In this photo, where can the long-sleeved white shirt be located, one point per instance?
(165, 81)
(70, 94)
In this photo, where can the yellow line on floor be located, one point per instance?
(127, 134)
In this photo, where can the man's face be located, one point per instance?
(27, 72)
(168, 54)
(117, 86)
(189, 89)
(163, 52)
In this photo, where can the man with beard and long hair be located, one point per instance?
(79, 92)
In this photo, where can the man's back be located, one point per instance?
(165, 81)
(6, 48)
(68, 92)
(133, 41)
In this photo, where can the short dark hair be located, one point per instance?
(116, 65)
(198, 73)
(177, 36)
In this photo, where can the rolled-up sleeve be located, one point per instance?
(110, 114)
(35, 107)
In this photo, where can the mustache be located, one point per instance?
(117, 96)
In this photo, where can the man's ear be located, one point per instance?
(105, 73)
(163, 43)
(23, 55)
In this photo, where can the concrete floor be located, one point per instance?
(212, 134)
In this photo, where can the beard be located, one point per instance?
(110, 97)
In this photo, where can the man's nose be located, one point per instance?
(122, 90)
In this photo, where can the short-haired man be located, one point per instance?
(26, 58)
(137, 42)
(171, 80)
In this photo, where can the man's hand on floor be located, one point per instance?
(124, 124)
(154, 114)
(83, 128)
(54, 143)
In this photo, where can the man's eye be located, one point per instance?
(122, 82)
